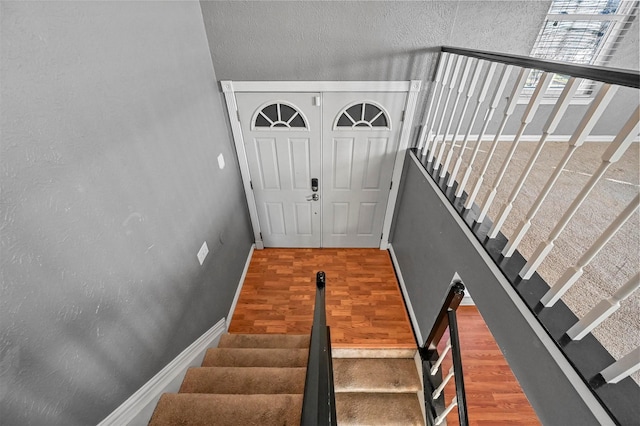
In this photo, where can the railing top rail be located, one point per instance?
(622, 77)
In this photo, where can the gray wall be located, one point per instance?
(360, 40)
(430, 247)
(111, 125)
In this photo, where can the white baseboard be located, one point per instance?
(239, 289)
(137, 410)
(403, 287)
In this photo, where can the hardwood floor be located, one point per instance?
(363, 301)
(494, 396)
(365, 310)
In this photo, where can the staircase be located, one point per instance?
(249, 379)
(377, 387)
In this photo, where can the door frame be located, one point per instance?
(411, 88)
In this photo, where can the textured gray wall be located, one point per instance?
(111, 122)
(360, 40)
(431, 247)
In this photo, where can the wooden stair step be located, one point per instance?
(227, 410)
(277, 341)
(376, 375)
(244, 380)
(378, 409)
(254, 357)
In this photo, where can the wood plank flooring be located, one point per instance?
(363, 301)
(365, 310)
(494, 396)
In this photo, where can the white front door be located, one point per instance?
(282, 143)
(360, 142)
(347, 141)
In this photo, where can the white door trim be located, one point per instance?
(236, 130)
(229, 88)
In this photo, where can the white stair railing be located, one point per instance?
(442, 154)
(425, 134)
(612, 155)
(558, 112)
(591, 117)
(497, 94)
(508, 111)
(452, 115)
(603, 310)
(450, 83)
(445, 67)
(479, 102)
(622, 368)
(469, 94)
(572, 274)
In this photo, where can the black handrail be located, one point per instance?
(429, 354)
(319, 402)
(451, 302)
(622, 77)
(457, 368)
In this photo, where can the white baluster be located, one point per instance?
(591, 117)
(508, 111)
(481, 98)
(463, 81)
(611, 155)
(622, 368)
(487, 119)
(527, 117)
(450, 83)
(447, 60)
(434, 368)
(571, 275)
(470, 90)
(436, 393)
(603, 310)
(425, 122)
(558, 111)
(438, 420)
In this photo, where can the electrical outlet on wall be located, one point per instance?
(221, 161)
(202, 254)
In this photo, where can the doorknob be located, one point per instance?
(313, 197)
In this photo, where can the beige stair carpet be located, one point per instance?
(379, 390)
(247, 380)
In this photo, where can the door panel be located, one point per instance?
(349, 144)
(360, 141)
(281, 134)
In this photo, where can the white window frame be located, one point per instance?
(625, 12)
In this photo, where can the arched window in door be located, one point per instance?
(362, 115)
(279, 115)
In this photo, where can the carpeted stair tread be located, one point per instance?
(244, 380)
(254, 357)
(373, 352)
(264, 341)
(376, 375)
(227, 410)
(378, 409)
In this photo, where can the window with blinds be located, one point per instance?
(581, 32)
